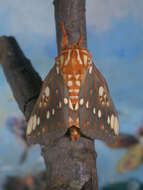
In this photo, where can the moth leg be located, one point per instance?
(74, 133)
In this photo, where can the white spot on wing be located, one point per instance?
(101, 90)
(78, 82)
(99, 113)
(76, 106)
(58, 70)
(65, 100)
(87, 104)
(77, 120)
(90, 69)
(70, 90)
(29, 126)
(38, 121)
(108, 120)
(47, 91)
(74, 90)
(85, 59)
(81, 101)
(94, 110)
(112, 121)
(60, 104)
(53, 111)
(29, 130)
(69, 76)
(77, 76)
(103, 103)
(70, 105)
(48, 114)
(61, 59)
(116, 125)
(34, 122)
(108, 103)
(69, 83)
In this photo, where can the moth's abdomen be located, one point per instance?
(74, 133)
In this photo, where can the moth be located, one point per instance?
(74, 99)
(134, 156)
(132, 159)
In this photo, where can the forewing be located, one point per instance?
(48, 120)
(132, 159)
(98, 117)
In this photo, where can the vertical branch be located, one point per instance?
(71, 166)
(72, 13)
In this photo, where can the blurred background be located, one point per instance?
(115, 39)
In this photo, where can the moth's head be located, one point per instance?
(73, 58)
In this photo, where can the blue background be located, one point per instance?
(115, 39)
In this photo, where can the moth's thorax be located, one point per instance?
(73, 63)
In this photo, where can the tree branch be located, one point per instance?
(71, 165)
(72, 13)
(23, 79)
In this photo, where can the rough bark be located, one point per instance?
(70, 166)
(21, 76)
(72, 13)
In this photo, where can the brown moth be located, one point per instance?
(75, 99)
